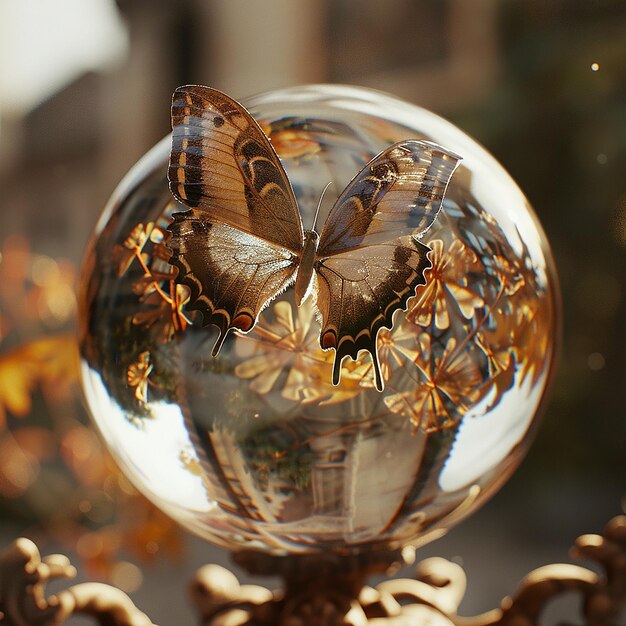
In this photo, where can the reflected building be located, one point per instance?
(344, 469)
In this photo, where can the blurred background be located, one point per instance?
(85, 88)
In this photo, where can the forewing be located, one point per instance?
(231, 275)
(359, 291)
(398, 193)
(223, 164)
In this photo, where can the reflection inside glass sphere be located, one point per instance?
(257, 448)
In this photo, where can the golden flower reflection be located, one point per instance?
(132, 246)
(137, 376)
(155, 288)
(165, 311)
(532, 335)
(446, 387)
(397, 348)
(481, 325)
(496, 346)
(288, 344)
(446, 289)
(510, 277)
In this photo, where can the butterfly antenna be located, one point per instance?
(319, 204)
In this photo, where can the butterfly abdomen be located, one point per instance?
(306, 267)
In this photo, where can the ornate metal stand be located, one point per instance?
(324, 591)
(23, 602)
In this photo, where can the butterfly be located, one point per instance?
(241, 241)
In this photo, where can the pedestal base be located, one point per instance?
(326, 590)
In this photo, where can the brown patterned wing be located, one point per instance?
(232, 275)
(399, 192)
(368, 261)
(223, 165)
(359, 291)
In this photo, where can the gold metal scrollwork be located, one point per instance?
(326, 592)
(23, 601)
(431, 599)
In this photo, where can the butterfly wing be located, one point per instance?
(399, 192)
(231, 275)
(223, 164)
(369, 262)
(236, 248)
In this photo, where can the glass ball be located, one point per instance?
(256, 448)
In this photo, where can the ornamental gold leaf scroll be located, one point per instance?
(24, 575)
(326, 589)
(332, 592)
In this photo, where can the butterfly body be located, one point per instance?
(241, 241)
(306, 267)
